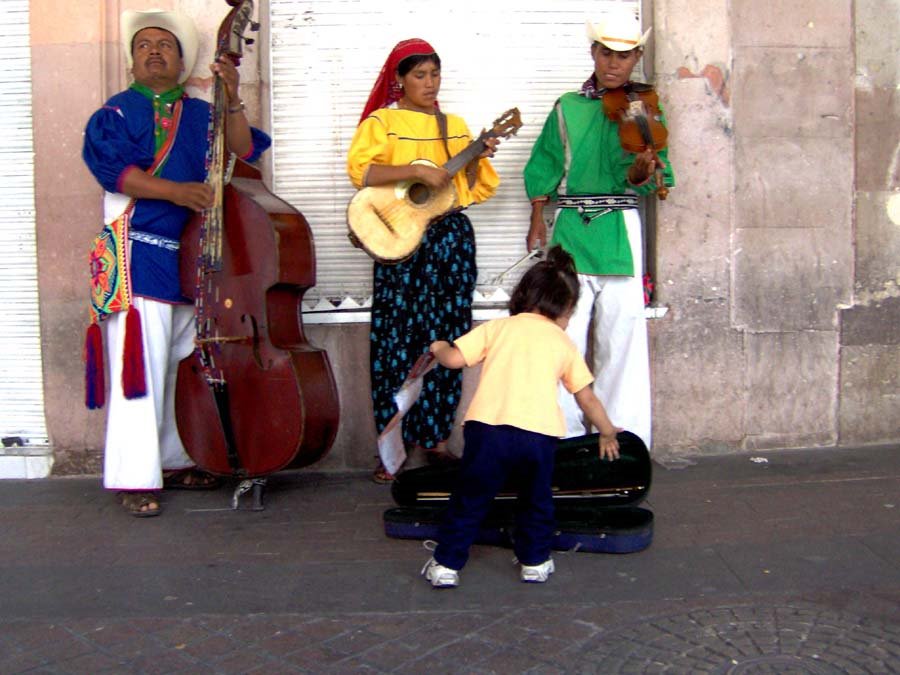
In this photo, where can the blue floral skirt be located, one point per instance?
(425, 298)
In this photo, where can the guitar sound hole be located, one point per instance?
(418, 193)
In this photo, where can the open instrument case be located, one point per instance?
(596, 501)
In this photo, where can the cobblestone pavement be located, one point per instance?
(786, 566)
(801, 637)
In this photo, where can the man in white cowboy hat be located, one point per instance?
(578, 162)
(147, 147)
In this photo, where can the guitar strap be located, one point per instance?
(442, 126)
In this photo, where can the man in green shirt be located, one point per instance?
(579, 163)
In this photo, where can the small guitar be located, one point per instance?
(389, 221)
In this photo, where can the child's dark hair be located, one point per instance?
(550, 287)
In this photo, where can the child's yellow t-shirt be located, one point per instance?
(525, 358)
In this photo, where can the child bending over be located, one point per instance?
(514, 420)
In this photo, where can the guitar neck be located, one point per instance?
(471, 151)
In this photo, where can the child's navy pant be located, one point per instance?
(491, 455)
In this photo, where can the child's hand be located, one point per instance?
(447, 355)
(609, 445)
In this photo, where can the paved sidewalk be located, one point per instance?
(791, 565)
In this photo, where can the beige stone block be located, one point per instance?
(877, 26)
(870, 394)
(789, 93)
(693, 228)
(65, 91)
(65, 227)
(790, 279)
(68, 215)
(801, 23)
(76, 433)
(792, 389)
(794, 182)
(676, 25)
(697, 374)
(877, 248)
(874, 323)
(54, 22)
(347, 346)
(877, 138)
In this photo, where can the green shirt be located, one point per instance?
(163, 106)
(578, 153)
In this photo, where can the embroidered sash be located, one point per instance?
(110, 292)
(109, 255)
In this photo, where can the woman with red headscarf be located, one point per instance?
(428, 296)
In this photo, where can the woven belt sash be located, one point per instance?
(598, 201)
(594, 206)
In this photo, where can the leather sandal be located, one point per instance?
(139, 504)
(190, 479)
(381, 475)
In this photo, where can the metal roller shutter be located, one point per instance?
(22, 424)
(325, 56)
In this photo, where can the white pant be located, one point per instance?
(621, 362)
(141, 435)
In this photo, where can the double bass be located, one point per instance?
(255, 396)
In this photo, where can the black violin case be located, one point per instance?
(596, 501)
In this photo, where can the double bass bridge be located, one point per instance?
(224, 339)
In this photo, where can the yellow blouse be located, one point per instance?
(393, 137)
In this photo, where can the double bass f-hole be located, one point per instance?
(254, 343)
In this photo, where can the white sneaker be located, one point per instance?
(538, 574)
(440, 576)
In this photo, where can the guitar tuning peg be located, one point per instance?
(249, 41)
(254, 26)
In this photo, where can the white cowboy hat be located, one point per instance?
(178, 24)
(620, 30)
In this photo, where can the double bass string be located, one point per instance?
(211, 239)
(215, 178)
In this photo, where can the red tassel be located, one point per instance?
(134, 383)
(94, 379)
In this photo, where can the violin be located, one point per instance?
(635, 109)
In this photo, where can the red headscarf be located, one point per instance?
(386, 89)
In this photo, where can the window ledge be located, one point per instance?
(484, 307)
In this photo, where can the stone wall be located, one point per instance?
(762, 257)
(870, 328)
(776, 254)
